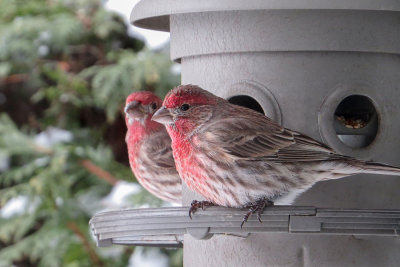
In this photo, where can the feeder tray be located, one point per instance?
(165, 227)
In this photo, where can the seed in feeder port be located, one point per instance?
(352, 123)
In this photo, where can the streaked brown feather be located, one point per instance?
(158, 151)
(253, 136)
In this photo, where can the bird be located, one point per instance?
(236, 157)
(149, 148)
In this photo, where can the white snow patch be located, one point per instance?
(4, 162)
(43, 50)
(17, 206)
(149, 257)
(41, 162)
(116, 199)
(59, 201)
(52, 136)
(176, 68)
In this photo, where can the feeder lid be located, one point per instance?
(154, 14)
(165, 227)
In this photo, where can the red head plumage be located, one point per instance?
(188, 94)
(144, 97)
(139, 109)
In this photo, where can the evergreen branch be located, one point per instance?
(99, 172)
(66, 61)
(92, 253)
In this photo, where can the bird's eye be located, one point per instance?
(185, 107)
(154, 105)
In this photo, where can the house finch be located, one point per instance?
(149, 148)
(237, 157)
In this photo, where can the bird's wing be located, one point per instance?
(161, 177)
(158, 152)
(251, 135)
(306, 149)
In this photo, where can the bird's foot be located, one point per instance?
(199, 204)
(256, 207)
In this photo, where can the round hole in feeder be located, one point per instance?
(356, 121)
(246, 101)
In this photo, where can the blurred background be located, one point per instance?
(66, 67)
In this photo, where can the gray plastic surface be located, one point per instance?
(154, 14)
(165, 227)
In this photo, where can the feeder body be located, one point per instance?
(298, 61)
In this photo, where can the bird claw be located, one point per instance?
(257, 206)
(198, 204)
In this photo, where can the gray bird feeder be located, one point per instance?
(327, 68)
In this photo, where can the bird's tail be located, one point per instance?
(378, 168)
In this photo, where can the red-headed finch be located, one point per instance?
(237, 157)
(149, 148)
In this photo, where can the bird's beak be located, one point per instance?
(163, 116)
(131, 106)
